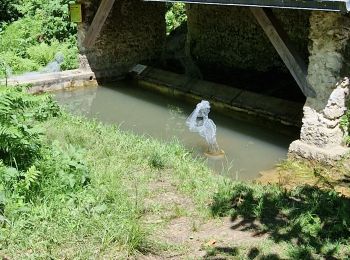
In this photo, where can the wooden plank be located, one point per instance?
(285, 48)
(98, 22)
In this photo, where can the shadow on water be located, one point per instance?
(314, 222)
(151, 114)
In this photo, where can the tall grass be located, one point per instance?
(82, 194)
(76, 188)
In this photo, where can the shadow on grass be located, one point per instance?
(346, 179)
(234, 252)
(221, 252)
(316, 223)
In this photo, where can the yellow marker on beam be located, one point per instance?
(75, 13)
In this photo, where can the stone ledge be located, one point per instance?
(275, 109)
(47, 82)
(327, 155)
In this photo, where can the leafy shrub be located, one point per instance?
(29, 167)
(64, 169)
(19, 184)
(69, 48)
(44, 53)
(8, 11)
(20, 140)
(54, 15)
(20, 35)
(17, 64)
(175, 16)
(31, 42)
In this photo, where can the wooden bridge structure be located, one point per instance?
(328, 38)
(265, 18)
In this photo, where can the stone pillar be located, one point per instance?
(134, 32)
(321, 137)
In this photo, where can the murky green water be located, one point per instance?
(249, 149)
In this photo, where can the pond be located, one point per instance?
(249, 148)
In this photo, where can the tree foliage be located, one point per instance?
(54, 16)
(175, 16)
(38, 31)
(8, 11)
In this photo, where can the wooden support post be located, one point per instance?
(98, 22)
(285, 48)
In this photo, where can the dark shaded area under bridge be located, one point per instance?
(325, 5)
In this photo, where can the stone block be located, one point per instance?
(170, 79)
(326, 155)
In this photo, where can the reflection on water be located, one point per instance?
(249, 149)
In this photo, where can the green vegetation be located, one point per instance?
(33, 31)
(345, 125)
(73, 188)
(8, 11)
(175, 16)
(5, 71)
(314, 223)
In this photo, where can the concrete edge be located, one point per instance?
(222, 97)
(48, 82)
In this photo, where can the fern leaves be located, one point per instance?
(20, 140)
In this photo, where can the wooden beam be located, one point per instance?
(285, 48)
(98, 22)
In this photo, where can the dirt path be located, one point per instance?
(184, 234)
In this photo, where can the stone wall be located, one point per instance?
(134, 32)
(230, 37)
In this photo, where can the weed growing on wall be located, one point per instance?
(175, 16)
(345, 125)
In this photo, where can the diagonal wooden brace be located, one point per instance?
(285, 48)
(98, 22)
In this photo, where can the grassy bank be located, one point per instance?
(76, 188)
(292, 173)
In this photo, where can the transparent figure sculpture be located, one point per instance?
(55, 65)
(199, 122)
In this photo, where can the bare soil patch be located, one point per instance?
(185, 234)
